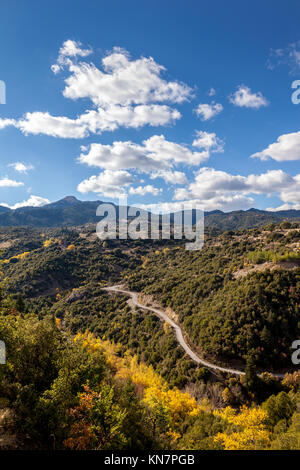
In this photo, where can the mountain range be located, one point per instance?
(70, 211)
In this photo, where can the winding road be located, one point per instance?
(178, 332)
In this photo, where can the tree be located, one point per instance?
(280, 407)
(97, 421)
(250, 379)
(290, 439)
(20, 304)
(247, 430)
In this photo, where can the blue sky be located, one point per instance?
(89, 113)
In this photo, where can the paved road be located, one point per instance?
(178, 332)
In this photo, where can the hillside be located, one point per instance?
(233, 297)
(237, 297)
(60, 391)
(237, 300)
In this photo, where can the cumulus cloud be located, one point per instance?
(225, 203)
(119, 155)
(73, 48)
(286, 148)
(69, 49)
(207, 111)
(33, 201)
(161, 149)
(111, 118)
(142, 190)
(123, 92)
(6, 123)
(21, 167)
(95, 122)
(123, 81)
(211, 92)
(173, 177)
(155, 156)
(55, 126)
(155, 153)
(8, 183)
(208, 141)
(291, 193)
(109, 183)
(284, 207)
(214, 188)
(244, 98)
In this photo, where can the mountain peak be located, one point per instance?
(253, 209)
(65, 202)
(70, 200)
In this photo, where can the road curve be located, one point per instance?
(178, 332)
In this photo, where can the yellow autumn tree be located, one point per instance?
(88, 341)
(153, 389)
(48, 242)
(20, 256)
(246, 429)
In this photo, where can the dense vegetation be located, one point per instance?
(79, 357)
(231, 305)
(63, 392)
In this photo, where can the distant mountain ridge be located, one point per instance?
(70, 211)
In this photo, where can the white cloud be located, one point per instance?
(211, 92)
(173, 177)
(291, 193)
(55, 126)
(155, 153)
(111, 118)
(286, 148)
(225, 203)
(142, 190)
(244, 98)
(95, 122)
(69, 49)
(8, 183)
(284, 207)
(161, 149)
(119, 155)
(21, 167)
(123, 92)
(123, 81)
(73, 48)
(6, 123)
(108, 183)
(216, 189)
(208, 141)
(33, 201)
(270, 182)
(209, 182)
(207, 111)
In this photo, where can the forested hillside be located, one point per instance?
(60, 391)
(79, 356)
(238, 297)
